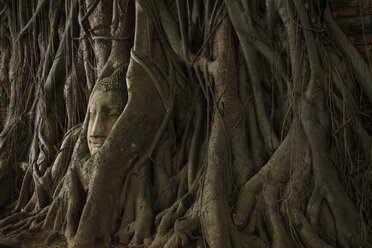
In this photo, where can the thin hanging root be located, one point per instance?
(38, 10)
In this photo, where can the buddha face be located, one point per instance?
(105, 108)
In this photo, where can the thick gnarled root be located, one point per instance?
(63, 214)
(21, 224)
(183, 232)
(165, 220)
(137, 219)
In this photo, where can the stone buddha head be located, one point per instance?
(107, 101)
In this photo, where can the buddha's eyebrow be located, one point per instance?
(113, 108)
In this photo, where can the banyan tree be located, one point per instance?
(183, 123)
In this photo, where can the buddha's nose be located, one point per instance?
(98, 126)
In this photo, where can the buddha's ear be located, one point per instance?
(91, 94)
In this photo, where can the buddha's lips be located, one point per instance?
(96, 142)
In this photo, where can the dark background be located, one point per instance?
(355, 19)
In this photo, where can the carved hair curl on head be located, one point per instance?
(114, 82)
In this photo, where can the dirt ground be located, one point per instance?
(38, 241)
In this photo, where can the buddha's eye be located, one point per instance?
(93, 113)
(114, 113)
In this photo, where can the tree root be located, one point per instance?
(166, 219)
(245, 240)
(275, 169)
(306, 231)
(326, 182)
(164, 192)
(137, 219)
(141, 227)
(63, 213)
(22, 223)
(183, 228)
(256, 208)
